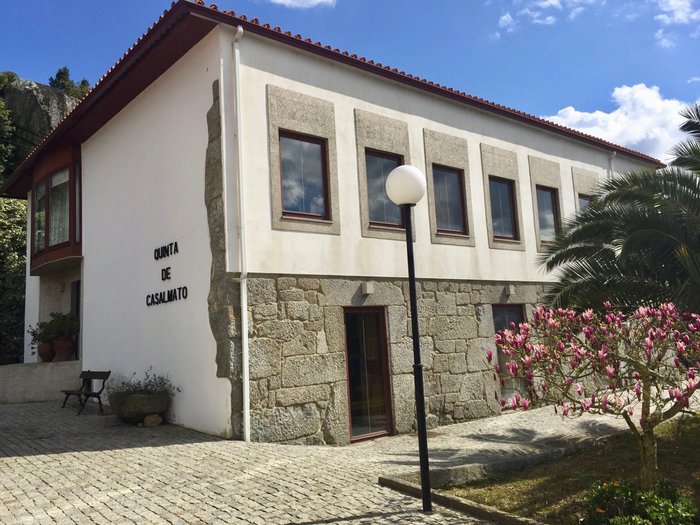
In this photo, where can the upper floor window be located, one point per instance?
(52, 210)
(382, 211)
(503, 214)
(449, 200)
(304, 176)
(548, 213)
(584, 201)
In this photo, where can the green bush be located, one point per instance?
(620, 503)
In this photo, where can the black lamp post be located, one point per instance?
(405, 186)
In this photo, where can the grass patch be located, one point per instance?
(553, 492)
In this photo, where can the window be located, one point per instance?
(382, 211)
(449, 200)
(583, 201)
(547, 213)
(304, 176)
(503, 316)
(52, 215)
(503, 208)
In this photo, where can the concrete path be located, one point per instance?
(56, 467)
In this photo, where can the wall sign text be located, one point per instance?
(172, 294)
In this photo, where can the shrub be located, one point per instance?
(151, 383)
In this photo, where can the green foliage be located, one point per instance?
(7, 77)
(150, 383)
(65, 83)
(620, 503)
(60, 325)
(637, 243)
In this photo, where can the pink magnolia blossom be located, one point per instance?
(489, 355)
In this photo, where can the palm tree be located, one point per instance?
(639, 241)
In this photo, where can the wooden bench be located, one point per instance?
(85, 391)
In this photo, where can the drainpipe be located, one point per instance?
(611, 164)
(241, 235)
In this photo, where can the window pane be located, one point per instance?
(40, 218)
(449, 208)
(303, 181)
(547, 213)
(59, 208)
(381, 209)
(502, 212)
(503, 315)
(584, 201)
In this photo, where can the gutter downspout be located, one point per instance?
(611, 164)
(245, 360)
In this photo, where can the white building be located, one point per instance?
(223, 162)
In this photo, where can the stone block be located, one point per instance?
(441, 363)
(446, 303)
(431, 421)
(398, 323)
(462, 299)
(261, 291)
(152, 420)
(291, 295)
(476, 355)
(402, 357)
(308, 283)
(298, 310)
(465, 287)
(426, 307)
(304, 343)
(315, 312)
(339, 292)
(450, 383)
(444, 347)
(311, 297)
(321, 344)
(404, 402)
(335, 421)
(484, 316)
(265, 358)
(457, 363)
(313, 369)
(284, 330)
(286, 283)
(478, 409)
(451, 327)
(274, 383)
(429, 286)
(302, 395)
(264, 311)
(472, 387)
(285, 423)
(334, 321)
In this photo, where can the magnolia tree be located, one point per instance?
(643, 367)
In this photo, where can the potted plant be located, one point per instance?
(42, 338)
(64, 327)
(132, 398)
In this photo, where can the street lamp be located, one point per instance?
(405, 186)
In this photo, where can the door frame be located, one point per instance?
(386, 362)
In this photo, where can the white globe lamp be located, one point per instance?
(405, 185)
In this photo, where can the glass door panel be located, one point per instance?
(368, 383)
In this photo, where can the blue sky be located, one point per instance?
(617, 69)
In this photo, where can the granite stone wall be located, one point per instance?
(297, 352)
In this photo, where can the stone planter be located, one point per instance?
(134, 407)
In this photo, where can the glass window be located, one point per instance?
(503, 208)
(59, 208)
(303, 176)
(40, 218)
(547, 213)
(449, 200)
(381, 210)
(584, 201)
(503, 315)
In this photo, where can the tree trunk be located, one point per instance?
(648, 469)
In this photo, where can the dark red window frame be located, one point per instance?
(391, 156)
(324, 164)
(464, 230)
(513, 208)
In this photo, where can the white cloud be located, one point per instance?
(575, 12)
(693, 79)
(544, 4)
(303, 4)
(546, 21)
(677, 12)
(507, 22)
(665, 40)
(643, 120)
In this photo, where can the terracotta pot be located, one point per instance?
(64, 348)
(134, 407)
(46, 352)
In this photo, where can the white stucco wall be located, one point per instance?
(143, 187)
(275, 251)
(31, 294)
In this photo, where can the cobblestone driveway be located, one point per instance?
(56, 467)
